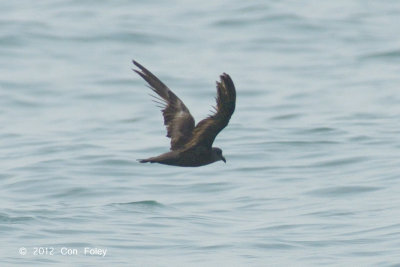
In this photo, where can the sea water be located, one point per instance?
(313, 172)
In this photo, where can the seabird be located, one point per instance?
(190, 146)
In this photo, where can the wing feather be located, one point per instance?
(177, 118)
(206, 130)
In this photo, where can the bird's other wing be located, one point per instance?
(177, 118)
(206, 130)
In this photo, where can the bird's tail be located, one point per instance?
(145, 160)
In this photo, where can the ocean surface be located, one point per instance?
(313, 149)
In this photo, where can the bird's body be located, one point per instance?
(191, 146)
(193, 157)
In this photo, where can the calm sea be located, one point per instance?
(313, 171)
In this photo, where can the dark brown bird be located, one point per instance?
(191, 146)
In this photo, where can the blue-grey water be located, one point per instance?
(313, 171)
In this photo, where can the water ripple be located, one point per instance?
(343, 191)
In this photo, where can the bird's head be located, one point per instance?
(217, 154)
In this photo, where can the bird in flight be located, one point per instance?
(191, 146)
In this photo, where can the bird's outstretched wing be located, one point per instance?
(177, 118)
(206, 130)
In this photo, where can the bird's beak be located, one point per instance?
(223, 159)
